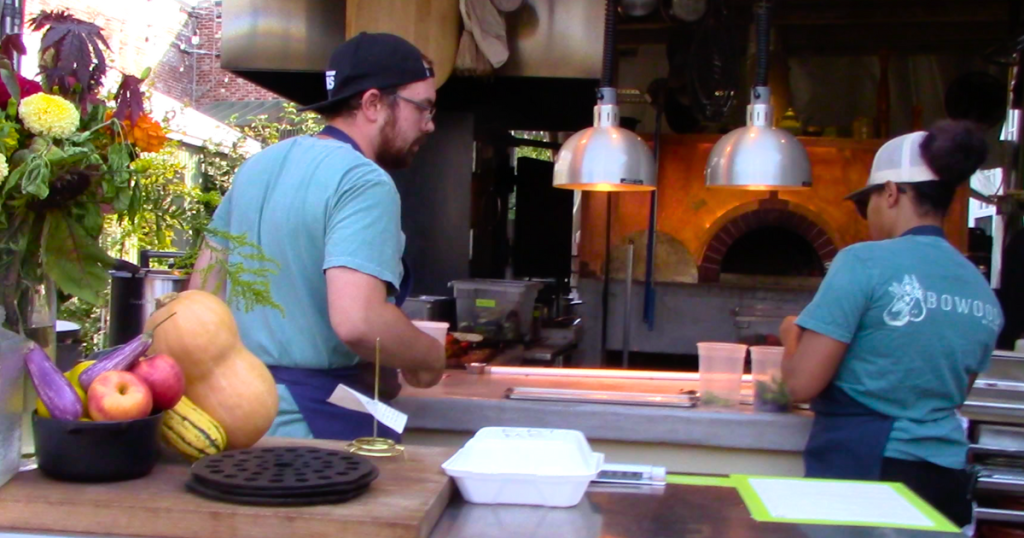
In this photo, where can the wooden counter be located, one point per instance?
(404, 502)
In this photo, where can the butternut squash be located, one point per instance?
(221, 376)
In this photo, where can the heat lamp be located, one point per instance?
(758, 156)
(606, 157)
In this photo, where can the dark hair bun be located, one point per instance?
(954, 150)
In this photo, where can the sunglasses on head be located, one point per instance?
(862, 200)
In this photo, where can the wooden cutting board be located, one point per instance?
(405, 501)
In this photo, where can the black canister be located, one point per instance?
(133, 295)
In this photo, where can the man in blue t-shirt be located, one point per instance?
(324, 209)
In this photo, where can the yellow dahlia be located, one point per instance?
(3, 166)
(49, 115)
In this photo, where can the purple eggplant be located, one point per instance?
(121, 359)
(55, 391)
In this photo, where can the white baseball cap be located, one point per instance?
(899, 161)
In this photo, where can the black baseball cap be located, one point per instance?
(369, 61)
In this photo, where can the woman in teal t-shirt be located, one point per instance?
(899, 329)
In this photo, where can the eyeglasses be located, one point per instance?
(429, 109)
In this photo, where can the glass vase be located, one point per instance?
(37, 307)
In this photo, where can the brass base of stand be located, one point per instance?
(375, 447)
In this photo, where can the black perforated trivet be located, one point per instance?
(283, 470)
(318, 492)
(331, 498)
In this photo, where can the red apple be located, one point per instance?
(119, 395)
(164, 378)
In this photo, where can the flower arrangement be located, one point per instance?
(66, 154)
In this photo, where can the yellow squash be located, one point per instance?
(221, 376)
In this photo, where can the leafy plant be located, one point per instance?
(71, 54)
(64, 164)
(771, 394)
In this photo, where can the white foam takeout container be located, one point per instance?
(529, 466)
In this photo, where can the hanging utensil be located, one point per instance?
(656, 93)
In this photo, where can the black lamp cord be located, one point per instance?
(608, 59)
(764, 32)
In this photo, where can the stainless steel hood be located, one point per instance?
(284, 45)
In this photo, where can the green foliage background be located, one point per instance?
(175, 212)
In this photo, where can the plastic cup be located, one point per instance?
(437, 329)
(766, 370)
(721, 372)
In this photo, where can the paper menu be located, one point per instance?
(838, 502)
(387, 415)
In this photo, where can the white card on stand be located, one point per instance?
(387, 415)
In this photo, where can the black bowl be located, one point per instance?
(97, 451)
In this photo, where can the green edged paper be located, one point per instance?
(700, 480)
(759, 511)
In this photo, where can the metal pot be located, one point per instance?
(133, 294)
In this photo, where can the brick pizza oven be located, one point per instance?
(767, 238)
(742, 233)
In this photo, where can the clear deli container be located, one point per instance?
(770, 392)
(525, 466)
(721, 372)
(497, 309)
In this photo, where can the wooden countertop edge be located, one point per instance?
(56, 508)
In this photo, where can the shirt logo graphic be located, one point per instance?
(908, 304)
(330, 80)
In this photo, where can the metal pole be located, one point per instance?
(607, 276)
(1008, 216)
(627, 316)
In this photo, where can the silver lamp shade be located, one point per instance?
(758, 156)
(605, 157)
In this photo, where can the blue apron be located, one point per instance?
(311, 388)
(848, 438)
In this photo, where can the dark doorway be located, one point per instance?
(772, 251)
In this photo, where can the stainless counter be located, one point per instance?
(465, 402)
(677, 511)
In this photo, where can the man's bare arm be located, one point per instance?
(360, 313)
(208, 273)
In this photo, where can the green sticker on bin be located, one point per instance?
(486, 303)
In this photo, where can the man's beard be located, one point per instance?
(391, 154)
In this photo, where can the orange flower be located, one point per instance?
(146, 134)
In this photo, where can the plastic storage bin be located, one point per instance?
(526, 466)
(497, 309)
(721, 372)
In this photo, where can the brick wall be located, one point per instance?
(212, 82)
(158, 34)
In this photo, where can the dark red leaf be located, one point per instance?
(129, 99)
(78, 55)
(53, 36)
(11, 46)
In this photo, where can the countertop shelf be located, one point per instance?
(465, 402)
